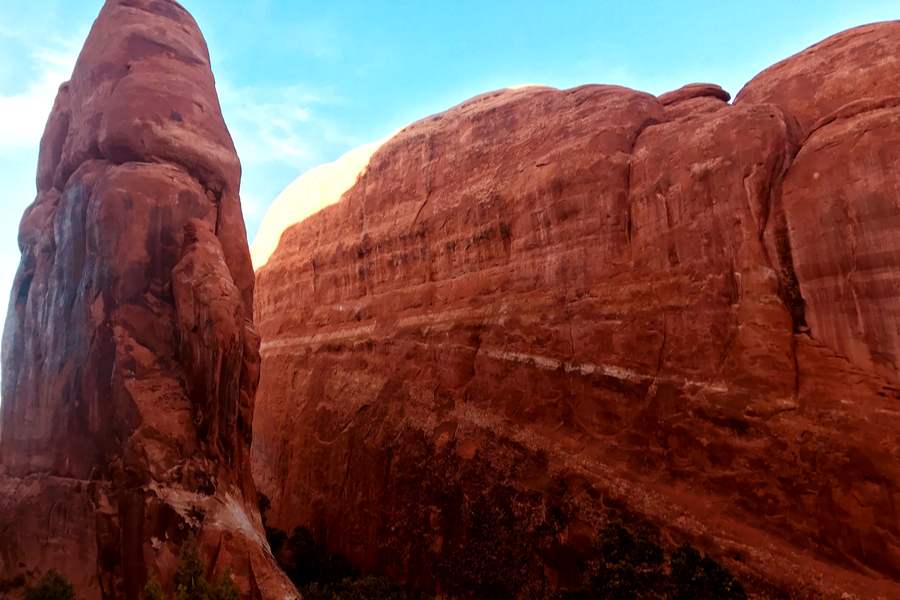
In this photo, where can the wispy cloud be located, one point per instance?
(280, 133)
(44, 64)
(282, 124)
(23, 113)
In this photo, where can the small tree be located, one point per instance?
(153, 591)
(190, 579)
(190, 575)
(52, 586)
(225, 588)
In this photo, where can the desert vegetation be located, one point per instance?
(190, 579)
(630, 564)
(52, 586)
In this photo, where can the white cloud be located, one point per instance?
(280, 133)
(266, 125)
(252, 206)
(280, 124)
(23, 115)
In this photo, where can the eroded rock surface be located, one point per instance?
(542, 308)
(308, 194)
(130, 358)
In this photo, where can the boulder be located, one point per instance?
(694, 98)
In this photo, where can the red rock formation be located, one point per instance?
(130, 358)
(543, 307)
(857, 65)
(694, 98)
(840, 205)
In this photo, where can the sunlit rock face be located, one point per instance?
(841, 199)
(542, 308)
(130, 359)
(307, 195)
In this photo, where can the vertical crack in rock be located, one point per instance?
(789, 287)
(649, 122)
(783, 260)
(843, 94)
(429, 178)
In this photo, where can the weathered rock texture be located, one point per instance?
(310, 193)
(130, 358)
(544, 307)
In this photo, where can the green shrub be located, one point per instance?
(366, 588)
(370, 588)
(52, 586)
(190, 574)
(225, 588)
(190, 579)
(633, 565)
(152, 591)
(315, 591)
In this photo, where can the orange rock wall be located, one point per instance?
(542, 308)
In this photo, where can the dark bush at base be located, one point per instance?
(631, 565)
(307, 561)
(696, 577)
(367, 588)
(52, 586)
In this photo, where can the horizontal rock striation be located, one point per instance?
(130, 359)
(316, 189)
(543, 308)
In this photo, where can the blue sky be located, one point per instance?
(301, 83)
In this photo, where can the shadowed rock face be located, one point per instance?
(543, 307)
(130, 358)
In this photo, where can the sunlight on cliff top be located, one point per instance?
(307, 195)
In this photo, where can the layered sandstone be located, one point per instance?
(308, 194)
(130, 358)
(544, 307)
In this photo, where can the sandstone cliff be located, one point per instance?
(544, 307)
(316, 189)
(130, 358)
